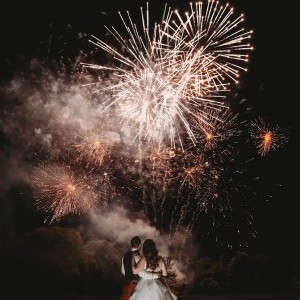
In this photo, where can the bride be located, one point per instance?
(151, 289)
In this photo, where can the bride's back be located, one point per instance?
(158, 267)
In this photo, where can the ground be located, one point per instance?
(294, 295)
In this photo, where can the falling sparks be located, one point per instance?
(219, 126)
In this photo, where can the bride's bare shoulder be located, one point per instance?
(143, 259)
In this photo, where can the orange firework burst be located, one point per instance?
(266, 137)
(61, 192)
(93, 149)
(159, 165)
(191, 171)
(217, 130)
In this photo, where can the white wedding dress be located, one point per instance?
(152, 289)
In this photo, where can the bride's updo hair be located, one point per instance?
(151, 254)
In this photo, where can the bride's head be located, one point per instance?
(151, 254)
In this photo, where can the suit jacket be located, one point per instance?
(127, 263)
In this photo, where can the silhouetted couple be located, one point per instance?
(144, 275)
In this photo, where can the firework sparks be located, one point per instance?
(216, 36)
(191, 170)
(197, 190)
(171, 148)
(226, 200)
(266, 137)
(61, 192)
(215, 130)
(165, 80)
(155, 178)
(93, 149)
(160, 162)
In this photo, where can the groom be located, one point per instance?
(130, 279)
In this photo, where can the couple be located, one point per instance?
(144, 275)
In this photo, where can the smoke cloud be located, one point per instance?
(120, 225)
(43, 117)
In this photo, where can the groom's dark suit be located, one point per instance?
(130, 279)
(127, 262)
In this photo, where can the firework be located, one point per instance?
(197, 190)
(175, 70)
(217, 133)
(173, 138)
(156, 174)
(266, 137)
(93, 148)
(211, 34)
(226, 202)
(190, 169)
(61, 192)
(159, 165)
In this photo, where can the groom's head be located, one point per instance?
(136, 242)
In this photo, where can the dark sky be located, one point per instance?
(270, 86)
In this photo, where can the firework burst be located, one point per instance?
(171, 148)
(61, 192)
(216, 39)
(93, 148)
(159, 163)
(266, 137)
(175, 70)
(217, 133)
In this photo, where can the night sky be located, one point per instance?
(270, 87)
